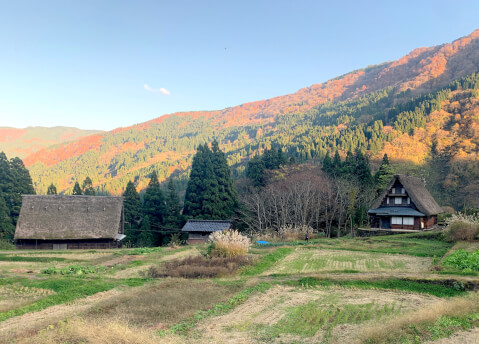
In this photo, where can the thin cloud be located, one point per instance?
(161, 90)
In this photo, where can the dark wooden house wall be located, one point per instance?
(67, 244)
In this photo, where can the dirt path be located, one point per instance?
(35, 321)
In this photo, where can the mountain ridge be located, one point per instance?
(168, 142)
(25, 141)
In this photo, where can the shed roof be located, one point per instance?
(206, 226)
(69, 217)
(395, 211)
(416, 190)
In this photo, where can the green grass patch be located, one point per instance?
(13, 258)
(392, 284)
(463, 260)
(266, 262)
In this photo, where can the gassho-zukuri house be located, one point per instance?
(69, 222)
(405, 204)
(199, 230)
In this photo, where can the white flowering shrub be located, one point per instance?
(461, 227)
(294, 232)
(229, 244)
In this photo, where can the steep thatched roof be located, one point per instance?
(416, 190)
(69, 217)
(206, 226)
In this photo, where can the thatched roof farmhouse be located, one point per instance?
(69, 222)
(405, 204)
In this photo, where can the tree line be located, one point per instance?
(15, 181)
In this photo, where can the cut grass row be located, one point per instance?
(66, 290)
(391, 284)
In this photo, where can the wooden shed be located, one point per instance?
(199, 230)
(69, 222)
(405, 204)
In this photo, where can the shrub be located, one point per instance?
(463, 260)
(461, 227)
(229, 244)
(291, 232)
(6, 245)
(73, 270)
(198, 267)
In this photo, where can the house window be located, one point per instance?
(387, 201)
(396, 220)
(397, 200)
(393, 190)
(402, 190)
(408, 200)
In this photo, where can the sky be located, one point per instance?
(108, 64)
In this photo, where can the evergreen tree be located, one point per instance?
(210, 193)
(337, 164)
(132, 209)
(255, 171)
(77, 189)
(7, 229)
(282, 160)
(154, 203)
(328, 164)
(87, 187)
(362, 170)
(384, 175)
(174, 219)
(146, 238)
(52, 190)
(132, 206)
(349, 165)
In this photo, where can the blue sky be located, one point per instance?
(105, 64)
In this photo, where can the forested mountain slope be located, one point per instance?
(412, 108)
(23, 142)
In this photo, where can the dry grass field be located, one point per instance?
(375, 290)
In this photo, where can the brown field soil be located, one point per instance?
(30, 322)
(270, 307)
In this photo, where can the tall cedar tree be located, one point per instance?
(15, 181)
(174, 219)
(384, 175)
(154, 203)
(52, 190)
(210, 193)
(77, 189)
(146, 236)
(87, 187)
(255, 171)
(132, 206)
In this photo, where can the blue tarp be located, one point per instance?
(262, 242)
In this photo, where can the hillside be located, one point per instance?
(410, 108)
(23, 142)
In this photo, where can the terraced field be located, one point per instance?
(307, 260)
(374, 290)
